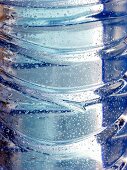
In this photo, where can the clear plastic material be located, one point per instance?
(63, 83)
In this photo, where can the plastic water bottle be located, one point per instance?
(63, 83)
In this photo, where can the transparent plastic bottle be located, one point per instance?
(63, 83)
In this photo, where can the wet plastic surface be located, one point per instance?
(63, 85)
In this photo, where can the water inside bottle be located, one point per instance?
(63, 83)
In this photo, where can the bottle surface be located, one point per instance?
(63, 83)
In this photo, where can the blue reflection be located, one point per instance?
(63, 86)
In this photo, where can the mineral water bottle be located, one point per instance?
(63, 84)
